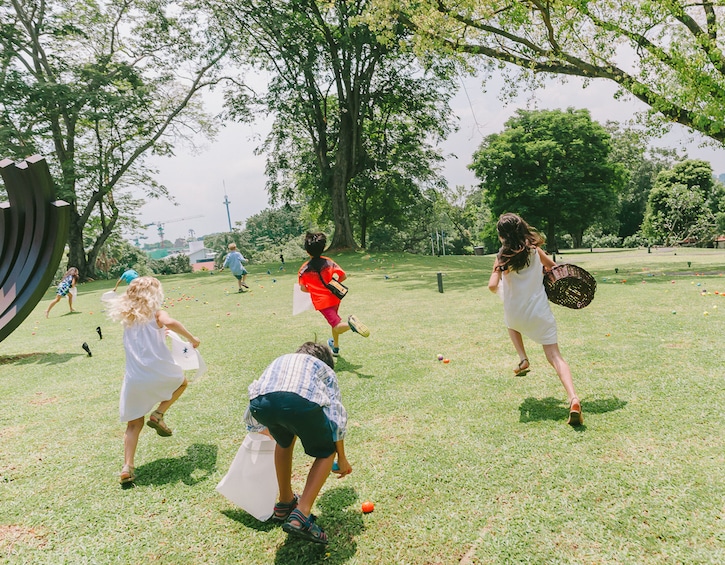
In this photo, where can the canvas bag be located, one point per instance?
(334, 286)
(251, 482)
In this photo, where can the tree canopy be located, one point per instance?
(667, 53)
(340, 97)
(683, 204)
(553, 168)
(96, 88)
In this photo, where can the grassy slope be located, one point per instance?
(464, 462)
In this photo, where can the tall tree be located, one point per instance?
(642, 164)
(667, 53)
(683, 204)
(97, 87)
(553, 168)
(329, 74)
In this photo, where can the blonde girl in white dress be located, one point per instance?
(151, 375)
(518, 275)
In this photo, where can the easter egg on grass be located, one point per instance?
(367, 507)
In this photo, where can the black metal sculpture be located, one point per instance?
(33, 234)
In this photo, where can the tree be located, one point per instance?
(666, 53)
(99, 87)
(552, 168)
(329, 76)
(642, 164)
(683, 204)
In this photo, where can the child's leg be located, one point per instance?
(553, 356)
(340, 328)
(130, 440)
(166, 404)
(518, 342)
(283, 468)
(70, 301)
(53, 303)
(316, 478)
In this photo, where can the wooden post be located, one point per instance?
(440, 282)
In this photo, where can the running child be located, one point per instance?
(518, 273)
(151, 375)
(66, 287)
(235, 261)
(313, 277)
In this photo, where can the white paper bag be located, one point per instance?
(301, 301)
(185, 355)
(251, 482)
(108, 296)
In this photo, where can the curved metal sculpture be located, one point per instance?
(33, 233)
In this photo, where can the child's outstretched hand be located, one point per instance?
(343, 467)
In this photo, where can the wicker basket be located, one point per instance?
(570, 286)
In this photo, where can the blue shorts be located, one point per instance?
(286, 415)
(240, 275)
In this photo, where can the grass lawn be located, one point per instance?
(465, 462)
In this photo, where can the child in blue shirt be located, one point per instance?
(235, 261)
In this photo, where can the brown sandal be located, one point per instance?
(575, 413)
(128, 475)
(519, 370)
(156, 421)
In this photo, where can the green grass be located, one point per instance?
(464, 462)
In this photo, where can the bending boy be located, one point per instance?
(298, 396)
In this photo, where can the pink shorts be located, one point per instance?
(331, 315)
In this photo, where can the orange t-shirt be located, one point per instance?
(321, 297)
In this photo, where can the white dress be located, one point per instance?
(525, 305)
(151, 374)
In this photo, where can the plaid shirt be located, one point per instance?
(310, 378)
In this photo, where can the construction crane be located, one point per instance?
(160, 225)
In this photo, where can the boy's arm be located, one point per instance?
(165, 320)
(344, 465)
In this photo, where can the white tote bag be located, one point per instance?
(185, 355)
(251, 482)
(301, 301)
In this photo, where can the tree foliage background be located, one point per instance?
(97, 88)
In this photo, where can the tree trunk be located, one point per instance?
(341, 174)
(551, 245)
(76, 251)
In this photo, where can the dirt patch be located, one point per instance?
(12, 535)
(40, 399)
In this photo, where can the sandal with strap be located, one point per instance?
(306, 528)
(520, 370)
(156, 421)
(128, 475)
(282, 510)
(575, 413)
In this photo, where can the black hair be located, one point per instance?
(518, 239)
(319, 350)
(315, 243)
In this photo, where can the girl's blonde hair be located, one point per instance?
(139, 303)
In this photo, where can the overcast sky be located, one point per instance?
(198, 181)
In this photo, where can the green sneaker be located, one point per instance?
(357, 326)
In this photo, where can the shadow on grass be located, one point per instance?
(249, 521)
(342, 365)
(39, 358)
(536, 410)
(341, 520)
(170, 470)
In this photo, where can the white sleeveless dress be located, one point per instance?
(525, 305)
(151, 374)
